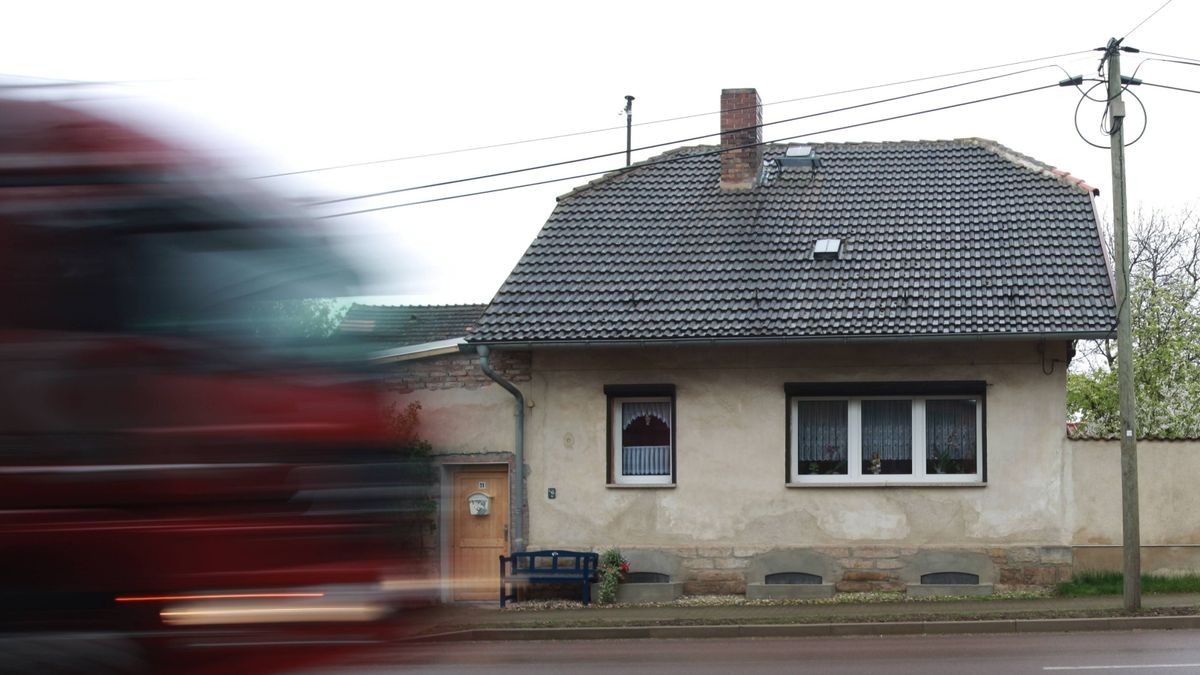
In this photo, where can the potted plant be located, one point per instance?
(942, 459)
(612, 571)
(876, 465)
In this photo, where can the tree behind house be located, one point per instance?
(302, 320)
(1165, 297)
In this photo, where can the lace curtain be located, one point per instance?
(887, 430)
(950, 428)
(643, 452)
(821, 430)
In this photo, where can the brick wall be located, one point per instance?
(741, 120)
(458, 371)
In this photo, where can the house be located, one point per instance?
(837, 361)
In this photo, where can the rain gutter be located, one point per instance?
(518, 532)
(835, 340)
(411, 352)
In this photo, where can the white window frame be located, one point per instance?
(615, 420)
(854, 474)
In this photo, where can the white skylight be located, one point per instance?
(827, 249)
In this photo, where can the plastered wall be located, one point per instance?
(730, 435)
(1168, 497)
(462, 410)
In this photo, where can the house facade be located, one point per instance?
(746, 479)
(845, 361)
(745, 364)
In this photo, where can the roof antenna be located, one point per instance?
(628, 128)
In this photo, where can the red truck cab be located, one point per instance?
(162, 463)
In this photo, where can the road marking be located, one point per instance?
(1147, 665)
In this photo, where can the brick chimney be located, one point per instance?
(741, 124)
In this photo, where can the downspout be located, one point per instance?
(518, 539)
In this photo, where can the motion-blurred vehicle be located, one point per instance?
(171, 470)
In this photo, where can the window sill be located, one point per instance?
(644, 486)
(892, 484)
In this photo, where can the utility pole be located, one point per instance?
(628, 129)
(1130, 525)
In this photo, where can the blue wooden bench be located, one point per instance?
(547, 567)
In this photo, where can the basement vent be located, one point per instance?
(952, 578)
(792, 578)
(827, 249)
(647, 578)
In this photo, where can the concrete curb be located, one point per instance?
(987, 626)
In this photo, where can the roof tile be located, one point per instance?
(401, 325)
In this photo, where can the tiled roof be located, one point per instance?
(940, 238)
(402, 325)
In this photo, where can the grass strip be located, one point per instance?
(1087, 584)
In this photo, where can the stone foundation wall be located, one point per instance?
(1032, 565)
(727, 570)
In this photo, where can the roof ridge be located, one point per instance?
(632, 168)
(911, 141)
(998, 148)
(1034, 165)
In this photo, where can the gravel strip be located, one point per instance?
(739, 600)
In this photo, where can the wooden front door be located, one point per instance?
(479, 538)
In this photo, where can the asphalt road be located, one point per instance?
(1046, 654)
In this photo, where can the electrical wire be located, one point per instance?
(1130, 31)
(351, 165)
(1114, 46)
(669, 143)
(1185, 63)
(1167, 86)
(56, 83)
(1171, 56)
(1104, 129)
(35, 77)
(53, 85)
(692, 156)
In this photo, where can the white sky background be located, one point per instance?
(282, 86)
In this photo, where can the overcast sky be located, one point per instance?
(283, 86)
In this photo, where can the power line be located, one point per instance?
(372, 162)
(1166, 86)
(1184, 63)
(690, 156)
(1130, 32)
(667, 143)
(53, 85)
(1171, 56)
(72, 84)
(39, 77)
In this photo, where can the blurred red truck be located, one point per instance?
(164, 461)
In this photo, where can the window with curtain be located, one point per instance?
(643, 439)
(886, 439)
(822, 438)
(950, 436)
(646, 438)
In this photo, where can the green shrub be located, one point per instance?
(613, 567)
